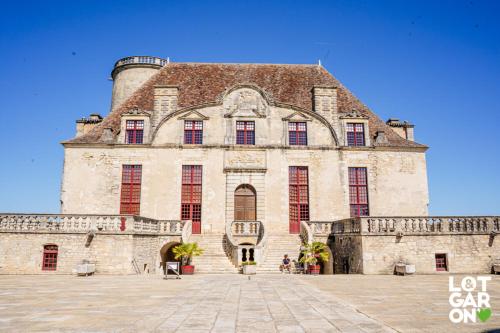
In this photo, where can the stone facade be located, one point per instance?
(164, 97)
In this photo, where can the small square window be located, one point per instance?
(193, 132)
(297, 133)
(355, 134)
(134, 132)
(441, 262)
(245, 133)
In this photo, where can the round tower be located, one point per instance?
(130, 73)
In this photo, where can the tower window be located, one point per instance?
(49, 257)
(297, 133)
(130, 200)
(134, 131)
(358, 192)
(245, 132)
(355, 134)
(193, 132)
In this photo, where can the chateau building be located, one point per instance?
(251, 161)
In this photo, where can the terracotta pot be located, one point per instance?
(187, 270)
(314, 269)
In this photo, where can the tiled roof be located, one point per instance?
(201, 83)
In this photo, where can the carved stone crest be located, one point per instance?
(245, 102)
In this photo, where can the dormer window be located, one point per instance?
(297, 133)
(193, 132)
(245, 133)
(355, 134)
(134, 132)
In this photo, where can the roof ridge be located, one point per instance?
(236, 63)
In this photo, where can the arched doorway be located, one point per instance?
(167, 254)
(245, 203)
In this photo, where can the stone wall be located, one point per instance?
(397, 180)
(22, 252)
(347, 254)
(466, 253)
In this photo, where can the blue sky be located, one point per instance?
(434, 63)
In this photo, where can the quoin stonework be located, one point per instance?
(251, 161)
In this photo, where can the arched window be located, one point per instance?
(245, 206)
(49, 257)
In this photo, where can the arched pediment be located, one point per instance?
(245, 101)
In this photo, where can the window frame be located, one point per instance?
(245, 132)
(297, 131)
(194, 133)
(441, 262)
(357, 185)
(49, 257)
(130, 192)
(191, 197)
(356, 134)
(135, 130)
(298, 184)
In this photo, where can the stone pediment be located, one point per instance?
(353, 114)
(193, 115)
(136, 112)
(246, 103)
(297, 116)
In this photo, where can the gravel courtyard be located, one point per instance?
(232, 303)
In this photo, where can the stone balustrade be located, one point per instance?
(141, 60)
(245, 228)
(74, 223)
(408, 225)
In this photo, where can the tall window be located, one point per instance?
(134, 131)
(358, 191)
(245, 133)
(193, 132)
(49, 257)
(130, 200)
(299, 197)
(297, 133)
(191, 196)
(355, 134)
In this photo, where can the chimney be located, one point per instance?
(107, 135)
(325, 104)
(403, 128)
(165, 102)
(380, 138)
(85, 125)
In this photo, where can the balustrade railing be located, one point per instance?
(408, 225)
(245, 228)
(141, 60)
(85, 223)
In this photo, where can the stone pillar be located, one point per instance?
(165, 102)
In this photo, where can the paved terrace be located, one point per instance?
(231, 303)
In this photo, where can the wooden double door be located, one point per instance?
(245, 203)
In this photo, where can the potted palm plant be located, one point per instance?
(249, 267)
(312, 254)
(186, 252)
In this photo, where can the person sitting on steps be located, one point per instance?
(285, 264)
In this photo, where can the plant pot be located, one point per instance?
(187, 270)
(249, 269)
(314, 269)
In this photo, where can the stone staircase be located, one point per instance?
(277, 246)
(214, 259)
